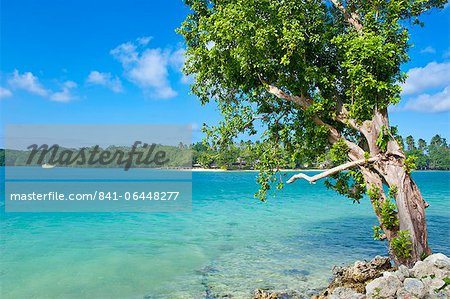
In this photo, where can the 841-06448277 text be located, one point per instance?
(97, 195)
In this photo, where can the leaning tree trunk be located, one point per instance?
(391, 171)
(411, 214)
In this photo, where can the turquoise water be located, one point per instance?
(229, 244)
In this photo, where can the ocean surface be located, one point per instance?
(230, 244)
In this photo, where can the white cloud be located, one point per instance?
(151, 71)
(105, 79)
(125, 53)
(143, 41)
(177, 59)
(65, 94)
(5, 93)
(438, 102)
(433, 75)
(149, 68)
(428, 50)
(27, 81)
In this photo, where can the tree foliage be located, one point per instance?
(249, 56)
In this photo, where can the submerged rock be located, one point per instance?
(301, 275)
(263, 294)
(266, 294)
(346, 293)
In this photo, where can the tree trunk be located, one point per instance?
(390, 171)
(411, 214)
(384, 166)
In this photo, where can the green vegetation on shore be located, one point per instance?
(435, 155)
(242, 155)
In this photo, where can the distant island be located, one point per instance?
(139, 155)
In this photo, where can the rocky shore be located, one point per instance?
(375, 279)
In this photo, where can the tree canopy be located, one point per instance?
(293, 70)
(315, 77)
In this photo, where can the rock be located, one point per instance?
(403, 294)
(439, 260)
(389, 274)
(363, 271)
(414, 287)
(265, 294)
(437, 289)
(440, 294)
(383, 287)
(420, 269)
(402, 273)
(433, 283)
(376, 280)
(432, 266)
(346, 293)
(357, 275)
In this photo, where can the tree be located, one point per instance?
(410, 143)
(422, 160)
(201, 154)
(2, 157)
(439, 153)
(318, 77)
(422, 145)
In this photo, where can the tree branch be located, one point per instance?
(344, 117)
(350, 17)
(313, 179)
(304, 102)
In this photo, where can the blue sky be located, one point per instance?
(119, 62)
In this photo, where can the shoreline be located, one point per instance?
(248, 170)
(199, 169)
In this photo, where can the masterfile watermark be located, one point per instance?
(98, 168)
(144, 155)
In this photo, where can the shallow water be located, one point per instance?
(229, 244)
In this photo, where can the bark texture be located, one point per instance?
(393, 173)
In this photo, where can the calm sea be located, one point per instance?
(229, 244)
